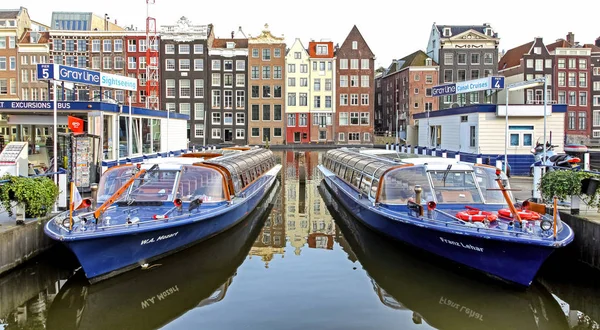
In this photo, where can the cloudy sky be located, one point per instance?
(392, 29)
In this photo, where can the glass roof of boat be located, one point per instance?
(241, 162)
(366, 163)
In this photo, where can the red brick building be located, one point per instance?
(355, 91)
(406, 90)
(572, 83)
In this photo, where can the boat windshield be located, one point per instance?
(455, 187)
(152, 186)
(112, 180)
(201, 182)
(399, 185)
(486, 177)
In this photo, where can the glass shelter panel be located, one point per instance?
(201, 182)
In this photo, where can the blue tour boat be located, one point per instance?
(149, 210)
(154, 297)
(461, 211)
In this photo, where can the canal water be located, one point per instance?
(300, 261)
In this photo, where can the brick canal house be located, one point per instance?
(354, 90)
(406, 90)
(266, 61)
(228, 62)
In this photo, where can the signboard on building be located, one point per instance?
(86, 77)
(469, 86)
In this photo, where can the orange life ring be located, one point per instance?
(524, 214)
(476, 215)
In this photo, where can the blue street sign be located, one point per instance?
(83, 76)
(441, 90)
(498, 82)
(469, 86)
(45, 71)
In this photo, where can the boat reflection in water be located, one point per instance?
(443, 297)
(152, 298)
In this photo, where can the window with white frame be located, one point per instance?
(107, 62)
(106, 45)
(354, 44)
(303, 120)
(344, 63)
(277, 72)
(227, 65)
(583, 98)
(169, 64)
(118, 43)
(228, 99)
(343, 81)
(95, 46)
(353, 81)
(291, 99)
(184, 49)
(240, 80)
(292, 82)
(266, 72)
(364, 63)
(572, 98)
(184, 64)
(364, 118)
(216, 64)
(216, 118)
(582, 79)
(343, 99)
(364, 99)
(353, 99)
(341, 137)
(131, 45)
(170, 107)
(303, 68)
(240, 133)
(216, 99)
(228, 80)
(199, 130)
(291, 120)
(354, 64)
(170, 88)
(199, 111)
(216, 79)
(198, 48)
(228, 118)
(240, 65)
(448, 59)
(216, 133)
(198, 64)
(199, 88)
(266, 54)
(364, 81)
(354, 118)
(582, 120)
(303, 82)
(240, 118)
(184, 88)
(184, 108)
(596, 117)
(571, 120)
(353, 136)
(520, 135)
(240, 99)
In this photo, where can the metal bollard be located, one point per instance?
(479, 159)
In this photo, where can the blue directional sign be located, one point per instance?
(498, 82)
(469, 86)
(448, 89)
(83, 76)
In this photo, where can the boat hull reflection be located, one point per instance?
(446, 298)
(151, 298)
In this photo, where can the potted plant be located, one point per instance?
(36, 195)
(566, 183)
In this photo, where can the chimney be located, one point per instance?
(598, 42)
(115, 21)
(232, 34)
(571, 38)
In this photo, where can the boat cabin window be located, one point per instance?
(153, 186)
(206, 183)
(486, 178)
(455, 187)
(399, 185)
(112, 180)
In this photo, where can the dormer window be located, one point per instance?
(354, 44)
(11, 22)
(447, 32)
(488, 32)
(321, 49)
(427, 62)
(230, 45)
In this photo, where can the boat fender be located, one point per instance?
(160, 217)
